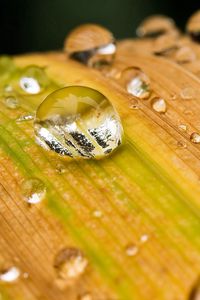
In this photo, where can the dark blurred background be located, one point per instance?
(37, 25)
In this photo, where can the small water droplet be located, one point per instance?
(70, 264)
(144, 238)
(79, 122)
(97, 213)
(173, 97)
(187, 93)
(33, 190)
(33, 80)
(9, 275)
(159, 105)
(195, 138)
(155, 26)
(25, 275)
(91, 44)
(193, 26)
(11, 102)
(26, 117)
(185, 55)
(131, 250)
(136, 82)
(86, 296)
(8, 88)
(181, 144)
(182, 127)
(134, 104)
(61, 168)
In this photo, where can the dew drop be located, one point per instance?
(33, 80)
(144, 238)
(185, 55)
(131, 250)
(181, 144)
(70, 264)
(159, 105)
(134, 104)
(25, 275)
(8, 88)
(91, 44)
(86, 296)
(155, 26)
(187, 93)
(195, 138)
(10, 275)
(11, 102)
(136, 82)
(193, 26)
(33, 190)
(79, 122)
(97, 213)
(182, 127)
(60, 168)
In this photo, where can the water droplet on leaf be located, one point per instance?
(181, 144)
(70, 264)
(9, 275)
(86, 296)
(144, 238)
(91, 44)
(187, 93)
(131, 250)
(33, 190)
(193, 26)
(78, 121)
(159, 105)
(195, 138)
(11, 102)
(182, 127)
(33, 80)
(97, 213)
(26, 117)
(136, 82)
(155, 26)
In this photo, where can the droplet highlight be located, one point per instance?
(79, 122)
(159, 105)
(33, 190)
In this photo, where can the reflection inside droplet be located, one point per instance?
(136, 82)
(195, 138)
(78, 121)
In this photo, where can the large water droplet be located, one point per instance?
(70, 264)
(195, 138)
(155, 26)
(33, 80)
(193, 26)
(33, 190)
(78, 121)
(136, 82)
(159, 105)
(9, 275)
(91, 44)
(11, 102)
